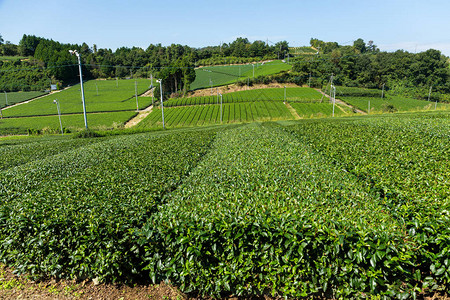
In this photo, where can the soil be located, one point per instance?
(15, 287)
(343, 103)
(141, 116)
(235, 88)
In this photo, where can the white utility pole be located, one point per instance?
(59, 114)
(135, 93)
(253, 65)
(429, 93)
(382, 92)
(284, 101)
(117, 82)
(211, 84)
(368, 110)
(162, 105)
(221, 110)
(78, 55)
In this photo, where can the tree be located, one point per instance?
(1, 39)
(360, 45)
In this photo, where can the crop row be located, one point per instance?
(74, 214)
(273, 94)
(7, 99)
(75, 122)
(220, 75)
(391, 104)
(210, 114)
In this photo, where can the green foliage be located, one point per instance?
(347, 208)
(73, 122)
(222, 75)
(113, 95)
(59, 219)
(299, 94)
(391, 104)
(199, 115)
(16, 97)
(87, 133)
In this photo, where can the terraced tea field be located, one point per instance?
(75, 122)
(297, 94)
(345, 207)
(10, 98)
(112, 96)
(222, 75)
(391, 104)
(210, 114)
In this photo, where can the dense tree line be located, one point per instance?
(363, 65)
(51, 61)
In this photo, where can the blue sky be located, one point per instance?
(397, 24)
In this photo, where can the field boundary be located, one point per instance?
(140, 116)
(343, 103)
(293, 111)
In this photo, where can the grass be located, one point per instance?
(112, 96)
(210, 114)
(222, 75)
(297, 94)
(16, 97)
(96, 121)
(392, 103)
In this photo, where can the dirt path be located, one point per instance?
(293, 111)
(141, 116)
(343, 103)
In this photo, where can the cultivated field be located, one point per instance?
(75, 122)
(222, 75)
(297, 94)
(112, 96)
(391, 104)
(346, 207)
(210, 114)
(9, 99)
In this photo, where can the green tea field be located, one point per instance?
(344, 207)
(221, 75)
(112, 96)
(7, 99)
(297, 94)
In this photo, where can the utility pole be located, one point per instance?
(284, 101)
(248, 83)
(211, 84)
(382, 92)
(162, 105)
(78, 55)
(59, 114)
(253, 65)
(429, 93)
(117, 82)
(333, 89)
(368, 110)
(6, 98)
(217, 90)
(309, 82)
(331, 84)
(221, 110)
(135, 93)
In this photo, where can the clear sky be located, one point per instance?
(411, 25)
